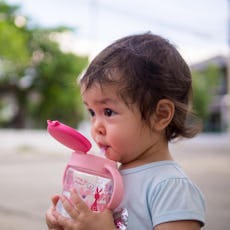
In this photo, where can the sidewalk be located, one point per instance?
(31, 166)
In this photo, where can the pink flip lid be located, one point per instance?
(68, 136)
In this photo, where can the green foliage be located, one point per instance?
(14, 54)
(56, 81)
(13, 42)
(36, 76)
(205, 86)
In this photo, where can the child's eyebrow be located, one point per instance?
(103, 101)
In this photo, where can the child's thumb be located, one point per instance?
(55, 199)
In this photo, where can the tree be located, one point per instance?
(37, 78)
(205, 87)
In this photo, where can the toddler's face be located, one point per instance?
(115, 127)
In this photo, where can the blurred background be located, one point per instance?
(44, 47)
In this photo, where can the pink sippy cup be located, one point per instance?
(96, 179)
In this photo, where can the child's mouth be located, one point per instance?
(103, 149)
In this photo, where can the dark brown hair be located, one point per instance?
(147, 68)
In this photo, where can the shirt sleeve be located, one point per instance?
(176, 199)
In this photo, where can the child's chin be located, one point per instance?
(110, 156)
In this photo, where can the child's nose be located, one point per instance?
(99, 128)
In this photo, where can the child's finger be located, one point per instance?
(78, 203)
(69, 207)
(55, 199)
(51, 221)
(66, 222)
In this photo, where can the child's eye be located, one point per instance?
(108, 112)
(91, 112)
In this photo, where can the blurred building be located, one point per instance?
(217, 120)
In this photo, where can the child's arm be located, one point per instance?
(82, 218)
(51, 220)
(179, 225)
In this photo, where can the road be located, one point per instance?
(31, 166)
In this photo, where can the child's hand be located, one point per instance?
(82, 218)
(51, 220)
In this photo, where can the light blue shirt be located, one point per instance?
(160, 192)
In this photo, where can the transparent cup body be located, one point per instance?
(94, 190)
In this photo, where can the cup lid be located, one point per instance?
(68, 136)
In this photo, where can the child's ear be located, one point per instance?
(163, 114)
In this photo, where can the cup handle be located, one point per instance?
(118, 187)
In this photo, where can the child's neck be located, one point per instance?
(155, 153)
